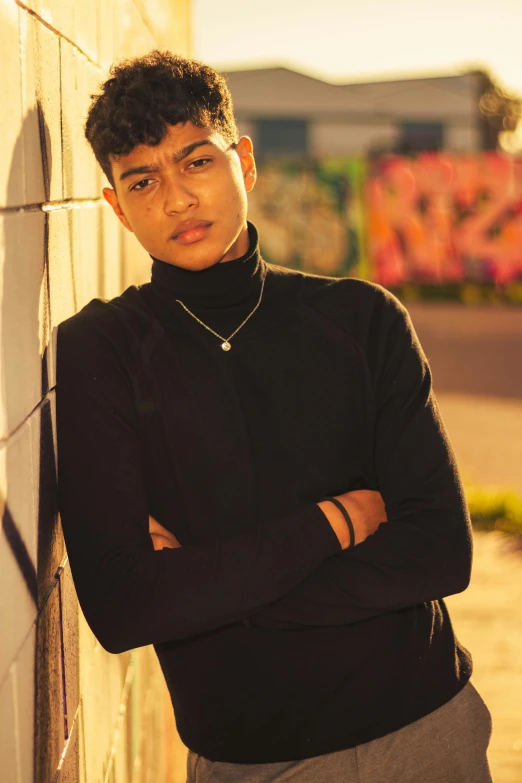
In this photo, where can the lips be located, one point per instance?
(189, 226)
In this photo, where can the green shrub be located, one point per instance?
(495, 509)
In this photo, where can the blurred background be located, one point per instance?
(388, 138)
(389, 145)
(388, 141)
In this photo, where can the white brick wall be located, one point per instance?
(100, 717)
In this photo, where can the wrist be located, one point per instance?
(337, 522)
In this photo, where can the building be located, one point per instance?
(290, 114)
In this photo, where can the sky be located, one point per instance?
(359, 40)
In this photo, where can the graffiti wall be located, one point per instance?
(312, 216)
(442, 218)
(436, 218)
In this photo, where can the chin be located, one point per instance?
(193, 264)
(202, 257)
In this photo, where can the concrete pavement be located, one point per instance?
(475, 355)
(487, 618)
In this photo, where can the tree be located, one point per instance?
(499, 110)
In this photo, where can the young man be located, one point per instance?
(254, 476)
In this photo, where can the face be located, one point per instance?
(194, 177)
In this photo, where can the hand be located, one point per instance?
(366, 510)
(161, 537)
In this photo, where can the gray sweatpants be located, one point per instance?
(447, 746)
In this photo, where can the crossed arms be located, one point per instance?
(293, 571)
(365, 506)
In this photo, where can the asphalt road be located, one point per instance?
(475, 355)
(472, 349)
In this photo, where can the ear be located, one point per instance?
(245, 151)
(110, 196)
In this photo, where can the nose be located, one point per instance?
(178, 197)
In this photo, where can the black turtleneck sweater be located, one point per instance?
(275, 643)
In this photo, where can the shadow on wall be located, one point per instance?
(26, 395)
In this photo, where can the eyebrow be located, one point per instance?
(177, 157)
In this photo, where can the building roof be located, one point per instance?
(280, 91)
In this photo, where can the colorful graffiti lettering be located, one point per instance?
(309, 217)
(442, 218)
(434, 218)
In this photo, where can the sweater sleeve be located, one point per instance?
(130, 594)
(424, 551)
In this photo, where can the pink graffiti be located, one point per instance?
(442, 217)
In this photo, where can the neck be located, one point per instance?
(221, 285)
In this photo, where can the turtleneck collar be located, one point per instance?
(221, 285)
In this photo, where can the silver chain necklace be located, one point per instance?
(225, 345)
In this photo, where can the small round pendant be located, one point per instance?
(226, 346)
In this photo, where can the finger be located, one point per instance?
(161, 542)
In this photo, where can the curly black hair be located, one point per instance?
(145, 95)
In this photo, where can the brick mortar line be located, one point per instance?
(65, 704)
(52, 584)
(129, 678)
(145, 22)
(72, 203)
(53, 206)
(124, 699)
(5, 441)
(52, 29)
(57, 774)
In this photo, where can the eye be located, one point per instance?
(141, 185)
(200, 160)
